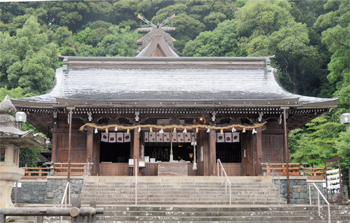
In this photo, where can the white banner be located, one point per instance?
(220, 138)
(334, 186)
(333, 182)
(333, 176)
(332, 171)
(235, 137)
(114, 137)
(160, 137)
(180, 137)
(104, 137)
(227, 137)
(187, 137)
(146, 136)
(166, 137)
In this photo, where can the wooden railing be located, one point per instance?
(295, 169)
(61, 169)
(35, 172)
(55, 169)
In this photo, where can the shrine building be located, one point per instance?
(163, 109)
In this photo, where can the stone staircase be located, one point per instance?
(180, 190)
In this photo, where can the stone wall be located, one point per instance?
(48, 191)
(56, 186)
(31, 191)
(299, 189)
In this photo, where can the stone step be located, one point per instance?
(215, 214)
(211, 218)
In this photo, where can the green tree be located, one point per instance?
(121, 42)
(28, 60)
(337, 39)
(317, 144)
(220, 42)
(268, 28)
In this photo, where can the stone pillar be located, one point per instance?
(9, 152)
(212, 153)
(9, 173)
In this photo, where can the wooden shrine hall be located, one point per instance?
(170, 110)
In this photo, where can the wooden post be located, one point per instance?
(212, 153)
(54, 138)
(54, 146)
(89, 143)
(258, 171)
(286, 149)
(96, 154)
(69, 149)
(136, 149)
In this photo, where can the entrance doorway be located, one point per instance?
(229, 152)
(114, 152)
(161, 151)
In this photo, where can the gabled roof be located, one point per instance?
(157, 42)
(157, 47)
(178, 81)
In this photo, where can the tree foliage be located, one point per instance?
(27, 59)
(222, 41)
(337, 39)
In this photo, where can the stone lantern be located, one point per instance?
(11, 140)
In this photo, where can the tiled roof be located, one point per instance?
(237, 85)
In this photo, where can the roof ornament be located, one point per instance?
(157, 42)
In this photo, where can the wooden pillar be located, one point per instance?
(136, 150)
(136, 145)
(95, 154)
(89, 143)
(286, 149)
(54, 140)
(247, 154)
(202, 153)
(258, 170)
(212, 153)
